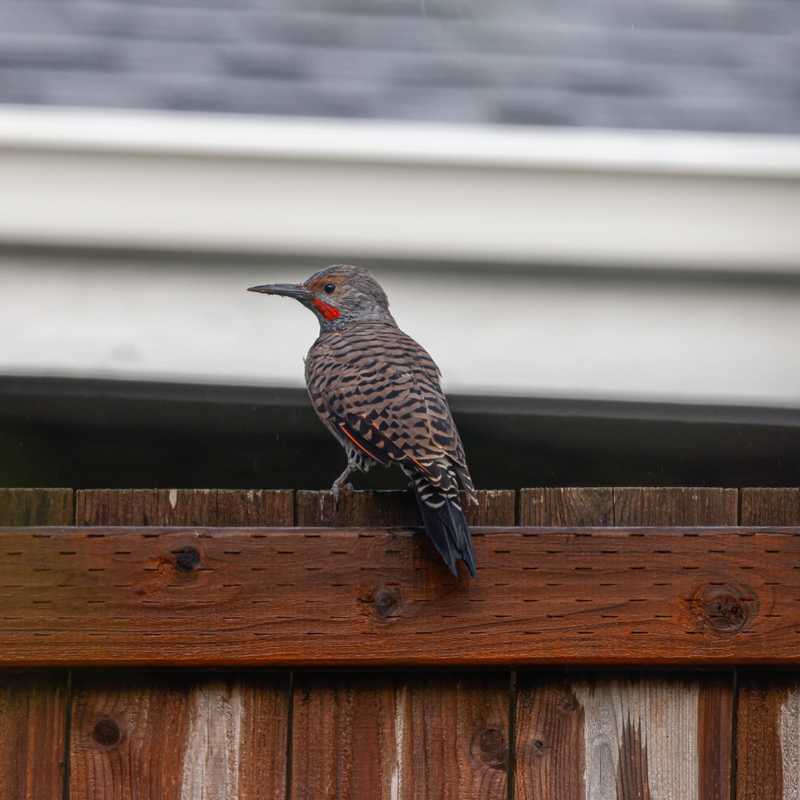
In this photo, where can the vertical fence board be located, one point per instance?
(32, 735)
(184, 507)
(656, 506)
(33, 706)
(160, 736)
(399, 738)
(550, 755)
(35, 507)
(768, 719)
(770, 507)
(434, 734)
(620, 738)
(558, 507)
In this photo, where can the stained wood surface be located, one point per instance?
(429, 735)
(400, 738)
(665, 506)
(770, 507)
(768, 720)
(32, 734)
(33, 704)
(621, 738)
(184, 507)
(372, 596)
(727, 597)
(395, 508)
(179, 736)
(564, 507)
(36, 507)
(643, 737)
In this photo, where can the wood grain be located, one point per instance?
(564, 507)
(375, 596)
(644, 737)
(184, 507)
(400, 738)
(762, 748)
(770, 507)
(184, 736)
(178, 737)
(550, 760)
(768, 719)
(33, 705)
(35, 507)
(495, 507)
(628, 737)
(32, 734)
(667, 506)
(715, 725)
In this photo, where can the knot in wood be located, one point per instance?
(490, 745)
(726, 608)
(567, 703)
(386, 603)
(187, 559)
(107, 732)
(538, 747)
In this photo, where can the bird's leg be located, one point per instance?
(339, 483)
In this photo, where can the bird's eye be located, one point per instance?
(329, 288)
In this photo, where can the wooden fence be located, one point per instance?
(191, 654)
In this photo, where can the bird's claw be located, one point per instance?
(336, 491)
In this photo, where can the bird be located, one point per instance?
(379, 393)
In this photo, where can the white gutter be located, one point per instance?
(405, 190)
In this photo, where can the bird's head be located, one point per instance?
(337, 295)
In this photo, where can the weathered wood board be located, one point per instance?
(180, 735)
(33, 704)
(387, 736)
(768, 703)
(631, 736)
(643, 737)
(390, 736)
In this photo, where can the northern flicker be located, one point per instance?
(379, 393)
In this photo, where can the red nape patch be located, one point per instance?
(329, 312)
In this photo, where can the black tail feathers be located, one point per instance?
(447, 528)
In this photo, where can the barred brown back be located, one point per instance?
(372, 381)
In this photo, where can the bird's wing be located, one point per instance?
(386, 398)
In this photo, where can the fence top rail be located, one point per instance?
(256, 596)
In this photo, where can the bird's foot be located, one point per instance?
(336, 491)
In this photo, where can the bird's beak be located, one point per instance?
(295, 290)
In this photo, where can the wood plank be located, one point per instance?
(550, 757)
(32, 734)
(370, 596)
(35, 507)
(399, 738)
(768, 730)
(390, 736)
(33, 704)
(184, 507)
(770, 507)
(715, 736)
(643, 737)
(648, 737)
(495, 507)
(768, 718)
(179, 736)
(565, 507)
(199, 736)
(669, 506)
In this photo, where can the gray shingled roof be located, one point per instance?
(682, 64)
